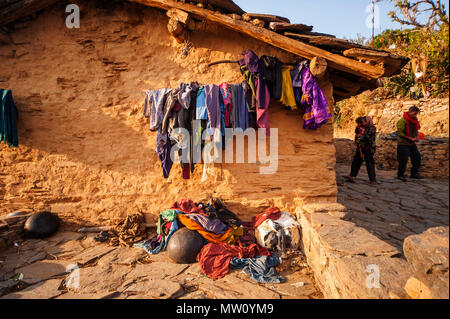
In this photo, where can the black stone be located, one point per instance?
(41, 225)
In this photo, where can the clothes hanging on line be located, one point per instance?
(297, 81)
(8, 119)
(226, 96)
(213, 106)
(154, 107)
(317, 109)
(240, 107)
(273, 75)
(202, 112)
(218, 107)
(163, 149)
(287, 94)
(253, 72)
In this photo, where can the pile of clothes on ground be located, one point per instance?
(8, 119)
(228, 241)
(213, 108)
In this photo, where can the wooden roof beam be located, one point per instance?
(265, 17)
(393, 63)
(304, 50)
(280, 27)
(22, 8)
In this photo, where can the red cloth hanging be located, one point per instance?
(186, 169)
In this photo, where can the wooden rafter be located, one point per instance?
(280, 27)
(393, 64)
(18, 9)
(265, 17)
(296, 47)
(304, 45)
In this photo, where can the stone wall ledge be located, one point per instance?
(428, 140)
(434, 151)
(428, 255)
(345, 259)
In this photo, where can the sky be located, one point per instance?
(342, 18)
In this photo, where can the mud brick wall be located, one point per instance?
(86, 151)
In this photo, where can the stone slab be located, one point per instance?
(157, 270)
(122, 256)
(99, 279)
(232, 287)
(154, 288)
(428, 255)
(92, 254)
(45, 290)
(346, 238)
(42, 270)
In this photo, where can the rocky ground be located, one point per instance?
(393, 210)
(41, 269)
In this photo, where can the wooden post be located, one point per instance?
(318, 67)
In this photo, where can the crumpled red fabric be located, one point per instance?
(214, 259)
(187, 206)
(248, 238)
(273, 213)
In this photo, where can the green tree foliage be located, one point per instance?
(427, 37)
(414, 43)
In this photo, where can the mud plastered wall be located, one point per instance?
(85, 149)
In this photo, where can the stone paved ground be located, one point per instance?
(118, 272)
(393, 210)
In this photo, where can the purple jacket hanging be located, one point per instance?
(317, 109)
(213, 105)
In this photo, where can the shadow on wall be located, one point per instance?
(72, 120)
(91, 138)
(81, 93)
